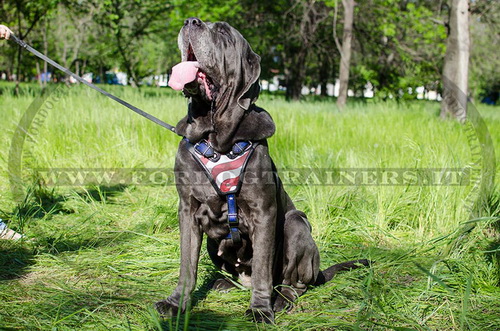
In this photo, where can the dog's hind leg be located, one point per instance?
(301, 260)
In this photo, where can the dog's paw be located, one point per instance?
(223, 285)
(261, 315)
(282, 303)
(166, 309)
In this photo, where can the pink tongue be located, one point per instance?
(183, 73)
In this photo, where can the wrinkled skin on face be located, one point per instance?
(223, 94)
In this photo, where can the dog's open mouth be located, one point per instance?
(187, 72)
(190, 54)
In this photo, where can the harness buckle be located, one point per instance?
(232, 219)
(239, 148)
(205, 149)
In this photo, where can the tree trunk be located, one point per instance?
(39, 74)
(102, 73)
(345, 52)
(18, 70)
(19, 49)
(46, 50)
(296, 73)
(126, 62)
(12, 66)
(294, 83)
(456, 62)
(324, 74)
(77, 68)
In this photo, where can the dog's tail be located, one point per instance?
(327, 274)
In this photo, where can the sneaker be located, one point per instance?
(6, 233)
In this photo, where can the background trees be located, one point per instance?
(397, 46)
(484, 76)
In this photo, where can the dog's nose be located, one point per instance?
(192, 21)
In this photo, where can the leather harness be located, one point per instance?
(225, 172)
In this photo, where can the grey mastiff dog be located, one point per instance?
(272, 246)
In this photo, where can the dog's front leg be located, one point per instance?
(263, 241)
(191, 238)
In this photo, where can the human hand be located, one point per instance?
(5, 32)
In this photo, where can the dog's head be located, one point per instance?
(219, 72)
(228, 67)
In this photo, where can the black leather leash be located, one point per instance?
(83, 81)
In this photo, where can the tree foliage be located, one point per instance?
(396, 46)
(399, 46)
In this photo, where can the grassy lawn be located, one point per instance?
(98, 256)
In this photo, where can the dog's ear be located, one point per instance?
(237, 95)
(251, 70)
(256, 125)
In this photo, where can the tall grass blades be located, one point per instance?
(97, 256)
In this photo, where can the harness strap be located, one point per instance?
(232, 219)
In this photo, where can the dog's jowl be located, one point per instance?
(253, 229)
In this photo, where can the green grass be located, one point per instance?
(102, 254)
